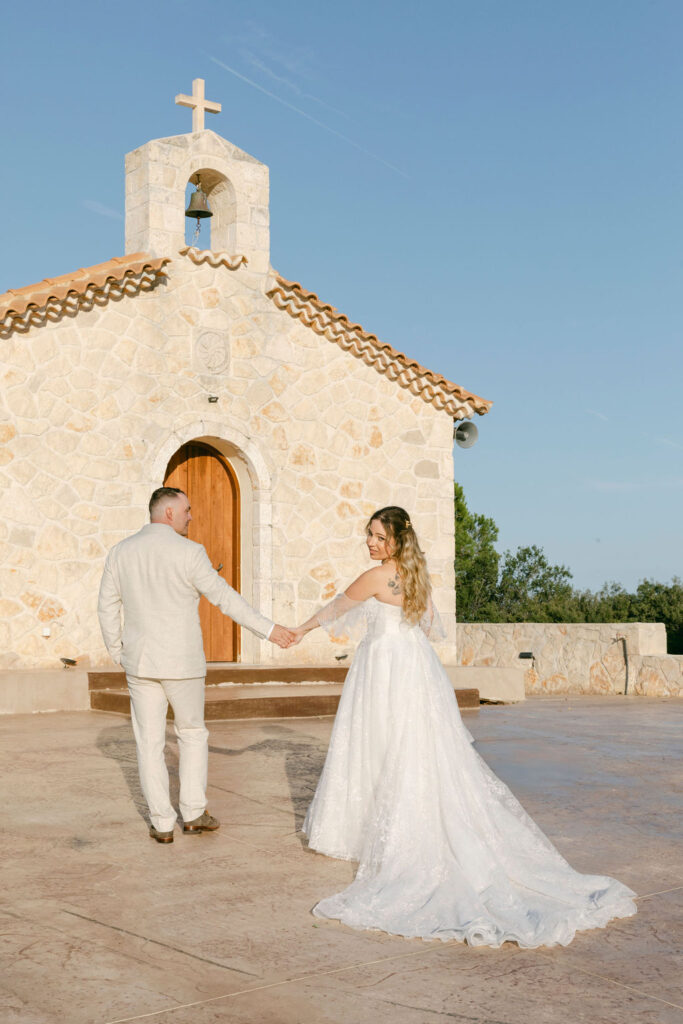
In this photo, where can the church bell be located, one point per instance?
(199, 206)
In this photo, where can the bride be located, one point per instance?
(444, 849)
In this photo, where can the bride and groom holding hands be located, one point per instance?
(444, 849)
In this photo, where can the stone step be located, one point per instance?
(217, 675)
(260, 700)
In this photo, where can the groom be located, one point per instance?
(155, 579)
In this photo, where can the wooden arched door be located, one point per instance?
(210, 484)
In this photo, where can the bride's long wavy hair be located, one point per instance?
(409, 558)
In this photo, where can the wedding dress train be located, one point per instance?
(444, 849)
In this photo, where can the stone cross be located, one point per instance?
(198, 104)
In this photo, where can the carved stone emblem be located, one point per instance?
(212, 352)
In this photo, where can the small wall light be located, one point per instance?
(68, 662)
(213, 398)
(526, 654)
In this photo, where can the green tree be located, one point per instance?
(530, 589)
(659, 602)
(476, 561)
(612, 603)
(527, 588)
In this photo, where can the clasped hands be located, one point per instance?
(285, 637)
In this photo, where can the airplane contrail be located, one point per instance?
(297, 110)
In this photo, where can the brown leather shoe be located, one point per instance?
(161, 837)
(204, 823)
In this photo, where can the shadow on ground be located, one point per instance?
(303, 762)
(118, 743)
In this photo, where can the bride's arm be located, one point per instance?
(367, 585)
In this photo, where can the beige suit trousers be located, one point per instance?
(149, 700)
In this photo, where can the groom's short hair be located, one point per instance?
(161, 496)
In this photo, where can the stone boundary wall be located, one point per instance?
(659, 675)
(577, 657)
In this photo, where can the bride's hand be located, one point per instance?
(298, 634)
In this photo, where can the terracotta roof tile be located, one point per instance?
(214, 259)
(408, 373)
(48, 300)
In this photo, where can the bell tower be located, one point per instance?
(236, 186)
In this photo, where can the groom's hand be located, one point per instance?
(282, 636)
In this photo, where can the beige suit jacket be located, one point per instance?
(154, 580)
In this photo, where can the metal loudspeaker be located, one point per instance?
(465, 435)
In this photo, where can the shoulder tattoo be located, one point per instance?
(394, 585)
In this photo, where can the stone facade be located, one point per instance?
(100, 388)
(577, 657)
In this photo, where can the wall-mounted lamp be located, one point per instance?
(213, 399)
(528, 656)
(68, 662)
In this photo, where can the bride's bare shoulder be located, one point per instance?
(367, 585)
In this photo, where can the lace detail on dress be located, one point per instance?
(343, 618)
(431, 624)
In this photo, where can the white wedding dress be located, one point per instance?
(444, 849)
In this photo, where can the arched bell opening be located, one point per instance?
(217, 231)
(212, 485)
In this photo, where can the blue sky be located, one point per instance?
(492, 186)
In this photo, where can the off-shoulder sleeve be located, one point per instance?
(431, 624)
(342, 618)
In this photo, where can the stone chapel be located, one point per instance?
(286, 423)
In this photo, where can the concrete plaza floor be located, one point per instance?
(100, 924)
